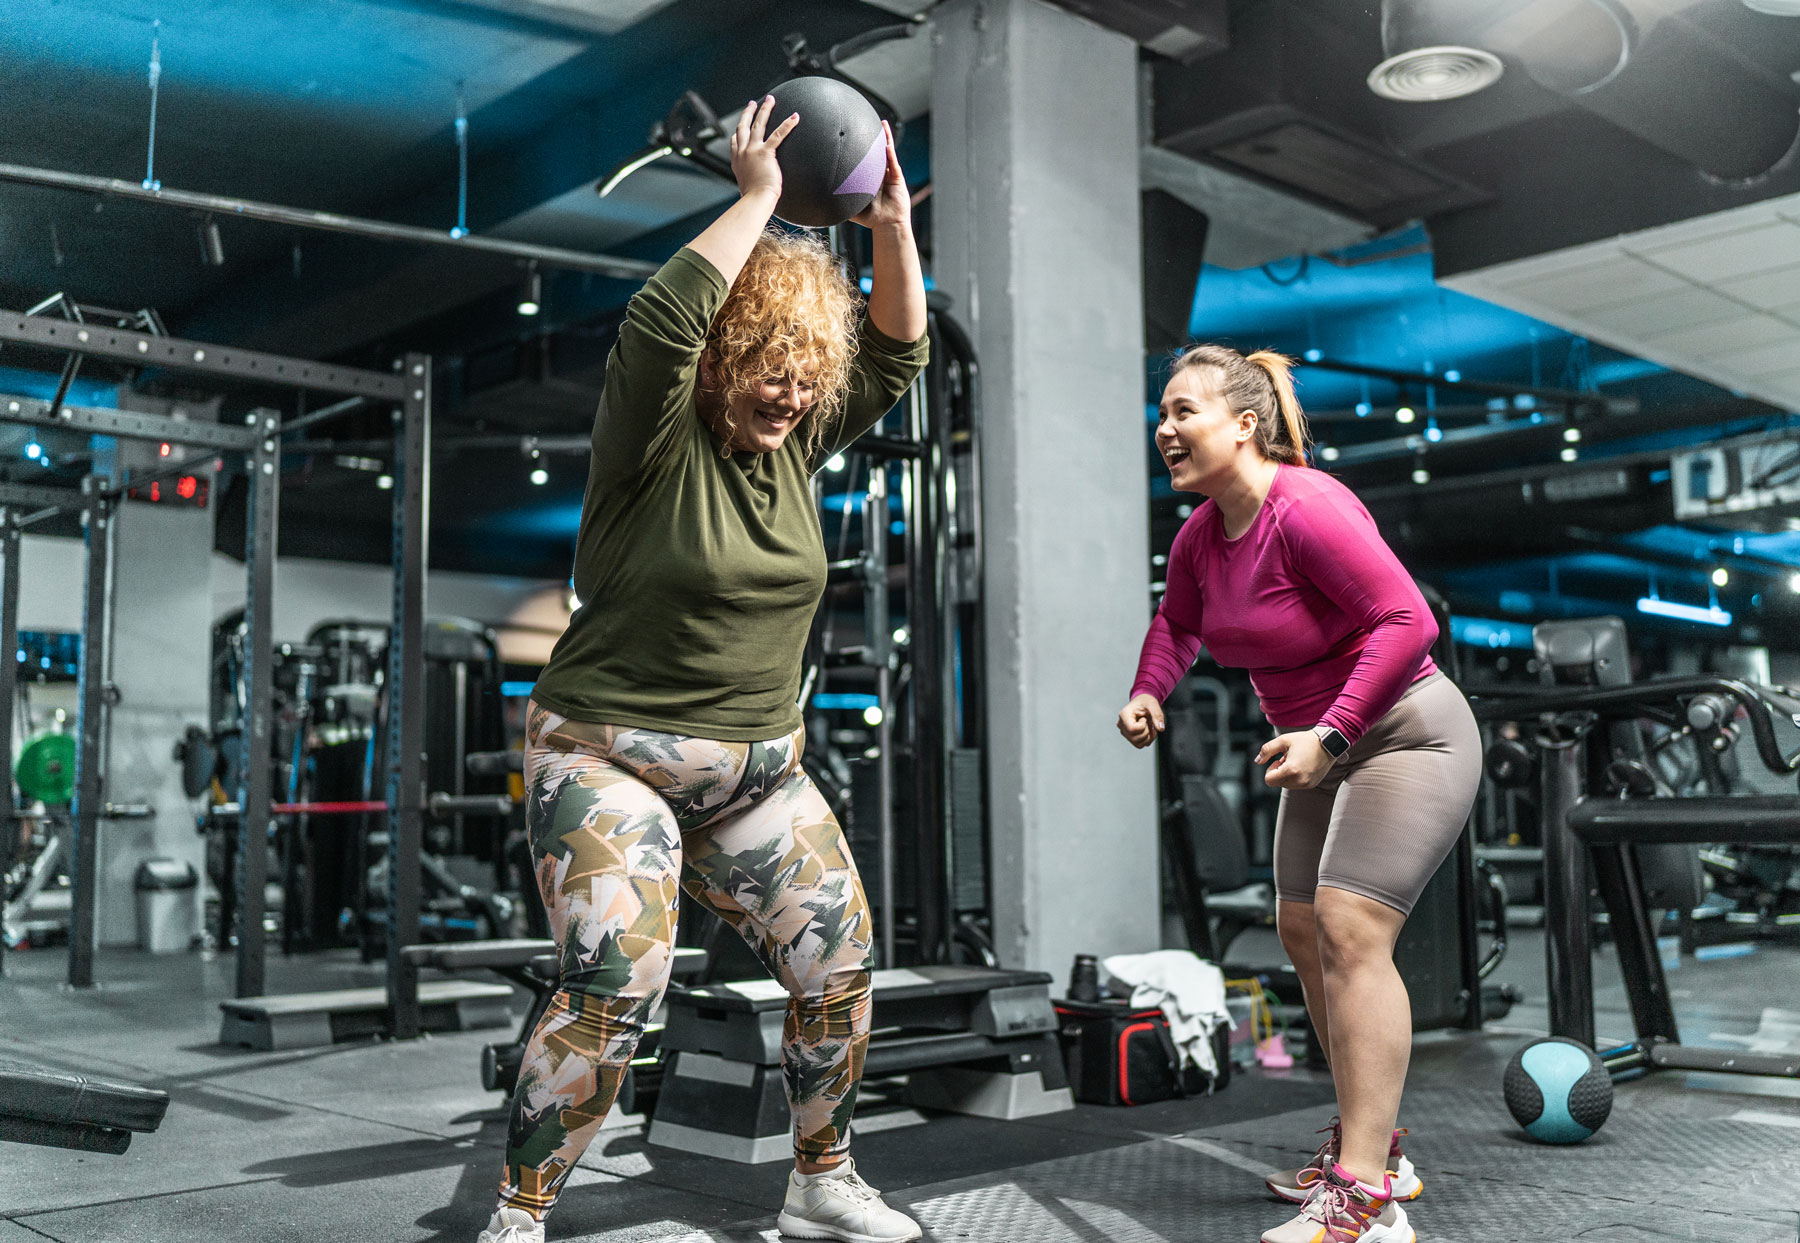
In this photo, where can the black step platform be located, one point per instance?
(62, 1110)
(971, 1040)
(309, 1020)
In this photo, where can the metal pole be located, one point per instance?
(257, 792)
(406, 693)
(1569, 961)
(924, 561)
(330, 222)
(878, 632)
(10, 535)
(90, 693)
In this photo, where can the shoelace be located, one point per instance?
(1326, 1153)
(852, 1187)
(1344, 1215)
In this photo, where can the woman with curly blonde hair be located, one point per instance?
(664, 737)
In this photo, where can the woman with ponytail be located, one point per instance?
(1282, 572)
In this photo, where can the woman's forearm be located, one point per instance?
(726, 242)
(897, 291)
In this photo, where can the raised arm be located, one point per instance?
(727, 241)
(891, 348)
(897, 289)
(650, 374)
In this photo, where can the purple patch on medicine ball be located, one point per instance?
(866, 177)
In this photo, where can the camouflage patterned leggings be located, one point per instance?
(618, 818)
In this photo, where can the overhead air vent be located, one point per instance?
(1289, 106)
(1183, 30)
(1429, 74)
(1360, 177)
(1649, 67)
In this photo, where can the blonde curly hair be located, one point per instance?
(792, 306)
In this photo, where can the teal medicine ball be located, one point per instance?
(1558, 1090)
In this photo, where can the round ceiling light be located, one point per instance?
(1428, 74)
(1775, 8)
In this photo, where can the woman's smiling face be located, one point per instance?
(1197, 433)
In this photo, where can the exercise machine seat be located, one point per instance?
(63, 1110)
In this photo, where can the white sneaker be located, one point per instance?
(844, 1208)
(512, 1225)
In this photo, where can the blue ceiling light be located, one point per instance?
(1313, 356)
(1712, 615)
(34, 451)
(1433, 432)
(1452, 376)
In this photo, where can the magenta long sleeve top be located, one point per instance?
(1310, 599)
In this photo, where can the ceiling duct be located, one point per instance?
(1183, 30)
(1288, 107)
(1638, 64)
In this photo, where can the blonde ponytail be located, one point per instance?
(1280, 370)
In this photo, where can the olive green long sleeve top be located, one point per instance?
(698, 575)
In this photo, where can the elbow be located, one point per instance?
(1429, 633)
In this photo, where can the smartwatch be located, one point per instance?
(1335, 743)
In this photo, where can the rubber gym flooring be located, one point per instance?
(396, 1143)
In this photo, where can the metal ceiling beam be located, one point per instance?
(329, 222)
(143, 349)
(103, 422)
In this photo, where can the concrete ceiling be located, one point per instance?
(1717, 297)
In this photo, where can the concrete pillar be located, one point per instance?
(1034, 137)
(160, 661)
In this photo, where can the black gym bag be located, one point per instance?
(1117, 1055)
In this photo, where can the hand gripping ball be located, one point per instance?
(833, 161)
(1558, 1090)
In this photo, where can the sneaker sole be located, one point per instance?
(1293, 1195)
(799, 1228)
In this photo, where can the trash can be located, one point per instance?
(168, 918)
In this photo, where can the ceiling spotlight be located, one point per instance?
(212, 245)
(34, 451)
(540, 476)
(872, 715)
(531, 299)
(574, 601)
(1329, 453)
(1452, 376)
(1362, 409)
(1794, 583)
(1775, 8)
(1569, 455)
(1433, 432)
(1421, 475)
(1313, 356)
(384, 482)
(1429, 74)
(835, 463)
(1572, 434)
(1721, 576)
(1404, 414)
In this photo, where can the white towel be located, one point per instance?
(1188, 990)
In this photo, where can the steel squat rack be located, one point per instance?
(408, 388)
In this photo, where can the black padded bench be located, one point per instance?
(61, 1110)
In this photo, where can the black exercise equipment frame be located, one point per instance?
(1589, 840)
(408, 388)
